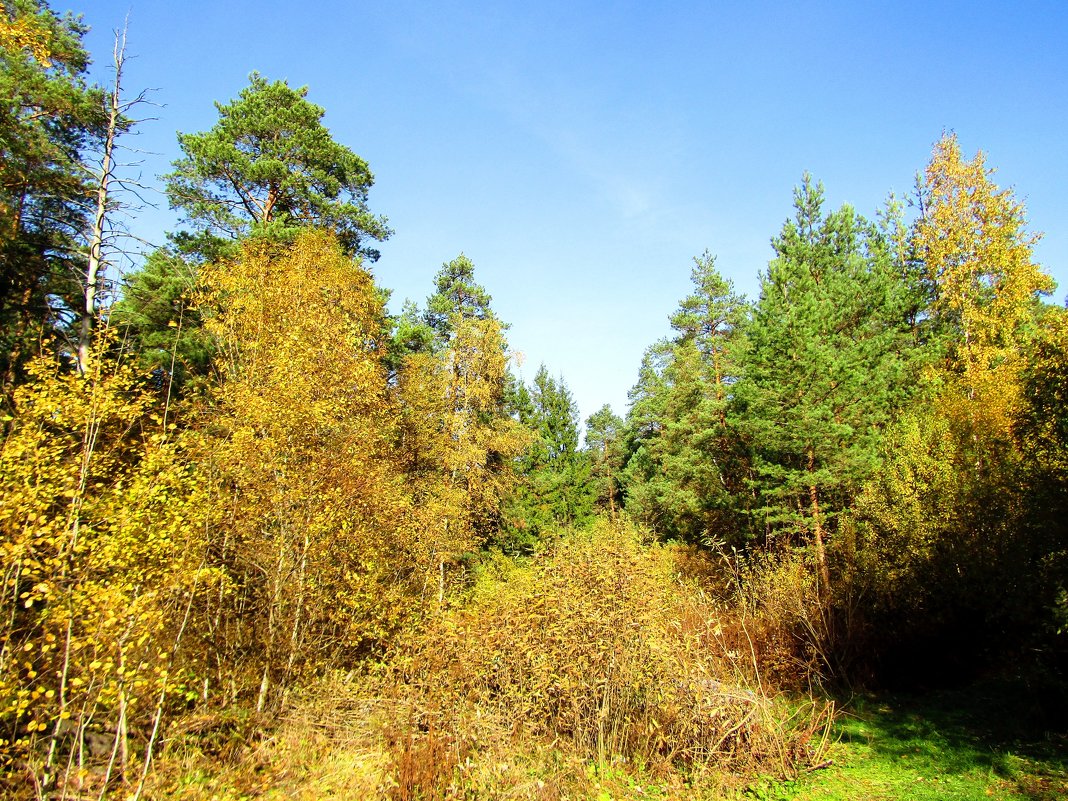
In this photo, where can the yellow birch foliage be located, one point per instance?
(24, 31)
(598, 648)
(943, 525)
(978, 256)
(312, 508)
(99, 542)
(1042, 429)
(456, 442)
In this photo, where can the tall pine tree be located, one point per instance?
(270, 165)
(685, 469)
(825, 368)
(49, 117)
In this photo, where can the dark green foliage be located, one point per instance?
(654, 497)
(897, 246)
(517, 399)
(555, 420)
(825, 368)
(555, 488)
(457, 296)
(456, 293)
(644, 427)
(604, 448)
(270, 165)
(49, 118)
(685, 466)
(408, 334)
(160, 318)
(709, 317)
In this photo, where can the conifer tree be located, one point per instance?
(409, 334)
(604, 433)
(645, 422)
(554, 474)
(51, 116)
(686, 474)
(825, 368)
(160, 314)
(457, 294)
(270, 164)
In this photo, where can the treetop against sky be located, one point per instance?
(582, 153)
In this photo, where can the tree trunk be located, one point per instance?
(96, 233)
(817, 527)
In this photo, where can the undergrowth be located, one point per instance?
(606, 666)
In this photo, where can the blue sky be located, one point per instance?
(581, 154)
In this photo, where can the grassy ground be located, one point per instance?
(1005, 739)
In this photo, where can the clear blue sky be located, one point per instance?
(582, 153)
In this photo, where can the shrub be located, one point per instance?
(600, 645)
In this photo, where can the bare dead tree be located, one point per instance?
(103, 229)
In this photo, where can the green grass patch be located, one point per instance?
(1005, 739)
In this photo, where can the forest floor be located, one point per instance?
(1000, 739)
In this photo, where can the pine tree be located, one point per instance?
(270, 165)
(685, 477)
(824, 370)
(51, 116)
(160, 315)
(646, 420)
(457, 294)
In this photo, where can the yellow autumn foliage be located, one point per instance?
(945, 526)
(979, 259)
(456, 442)
(26, 32)
(302, 513)
(311, 509)
(343, 502)
(601, 646)
(101, 549)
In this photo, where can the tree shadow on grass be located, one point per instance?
(1013, 729)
